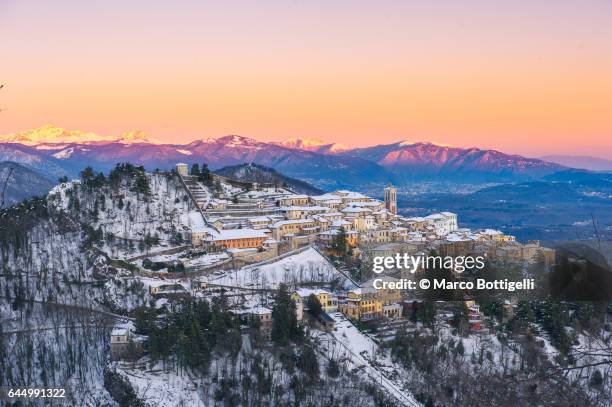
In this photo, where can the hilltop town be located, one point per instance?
(231, 273)
(243, 241)
(237, 229)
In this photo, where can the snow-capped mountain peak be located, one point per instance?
(136, 136)
(311, 159)
(301, 143)
(314, 145)
(237, 141)
(50, 134)
(406, 143)
(431, 143)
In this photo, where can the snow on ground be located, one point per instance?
(188, 259)
(267, 192)
(164, 258)
(348, 334)
(194, 221)
(206, 259)
(56, 347)
(156, 282)
(361, 353)
(230, 190)
(592, 349)
(305, 267)
(125, 214)
(125, 293)
(158, 388)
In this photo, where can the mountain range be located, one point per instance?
(410, 161)
(567, 205)
(54, 152)
(18, 183)
(581, 161)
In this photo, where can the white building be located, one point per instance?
(120, 335)
(443, 222)
(182, 169)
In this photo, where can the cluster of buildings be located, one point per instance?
(262, 222)
(272, 220)
(360, 304)
(268, 217)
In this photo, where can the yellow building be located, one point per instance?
(381, 291)
(302, 212)
(290, 200)
(328, 301)
(293, 226)
(361, 304)
(182, 169)
(236, 239)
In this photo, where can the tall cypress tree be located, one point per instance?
(285, 327)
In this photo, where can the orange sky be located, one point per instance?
(525, 79)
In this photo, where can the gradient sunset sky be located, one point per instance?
(523, 78)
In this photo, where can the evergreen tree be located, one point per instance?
(195, 170)
(428, 312)
(596, 379)
(87, 176)
(314, 306)
(285, 327)
(144, 320)
(308, 363)
(333, 368)
(461, 318)
(460, 349)
(205, 176)
(339, 243)
(142, 183)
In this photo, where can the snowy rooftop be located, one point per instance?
(350, 194)
(490, 232)
(306, 292)
(416, 219)
(259, 219)
(325, 197)
(119, 332)
(295, 196)
(305, 208)
(354, 209)
(254, 311)
(362, 204)
(230, 234)
(292, 222)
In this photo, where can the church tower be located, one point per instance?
(391, 199)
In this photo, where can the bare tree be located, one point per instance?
(5, 184)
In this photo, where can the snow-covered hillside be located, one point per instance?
(302, 267)
(61, 247)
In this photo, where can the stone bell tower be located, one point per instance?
(391, 199)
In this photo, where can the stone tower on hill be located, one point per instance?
(391, 199)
